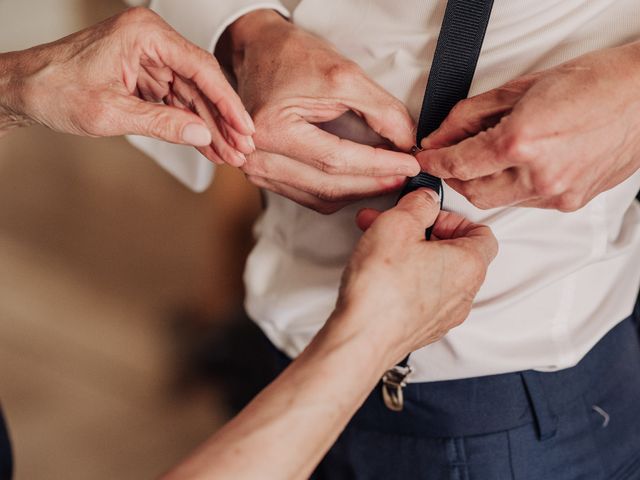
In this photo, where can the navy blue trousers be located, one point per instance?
(579, 423)
(6, 464)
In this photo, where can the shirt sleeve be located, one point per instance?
(203, 23)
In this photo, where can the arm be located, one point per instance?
(303, 411)
(111, 79)
(286, 430)
(553, 139)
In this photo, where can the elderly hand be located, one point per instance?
(111, 78)
(403, 292)
(291, 80)
(553, 139)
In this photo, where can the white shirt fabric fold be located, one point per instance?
(561, 280)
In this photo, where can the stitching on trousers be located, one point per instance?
(606, 417)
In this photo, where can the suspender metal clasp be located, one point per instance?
(392, 384)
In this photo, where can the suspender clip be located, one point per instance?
(392, 384)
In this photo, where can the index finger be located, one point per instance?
(201, 67)
(453, 227)
(478, 156)
(338, 156)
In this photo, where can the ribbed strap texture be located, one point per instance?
(454, 64)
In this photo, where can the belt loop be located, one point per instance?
(546, 420)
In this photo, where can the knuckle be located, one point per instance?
(135, 15)
(342, 73)
(332, 164)
(263, 119)
(516, 144)
(549, 185)
(476, 199)
(459, 111)
(255, 165)
(159, 125)
(325, 207)
(398, 111)
(460, 316)
(476, 264)
(252, 178)
(327, 193)
(569, 202)
(472, 264)
(459, 170)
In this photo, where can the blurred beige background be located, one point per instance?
(99, 248)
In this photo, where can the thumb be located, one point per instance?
(384, 113)
(476, 114)
(171, 124)
(391, 120)
(422, 204)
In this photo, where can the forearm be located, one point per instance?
(286, 430)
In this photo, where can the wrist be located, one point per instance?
(366, 337)
(13, 75)
(252, 29)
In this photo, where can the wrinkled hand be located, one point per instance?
(291, 80)
(407, 292)
(553, 139)
(111, 78)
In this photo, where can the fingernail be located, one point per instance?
(249, 122)
(433, 194)
(251, 143)
(409, 171)
(241, 158)
(196, 135)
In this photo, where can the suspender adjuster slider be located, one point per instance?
(392, 384)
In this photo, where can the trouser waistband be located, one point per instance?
(483, 405)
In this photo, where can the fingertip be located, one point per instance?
(249, 123)
(238, 159)
(413, 168)
(406, 142)
(210, 154)
(406, 165)
(423, 204)
(433, 194)
(366, 217)
(426, 142)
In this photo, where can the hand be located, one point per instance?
(404, 292)
(291, 80)
(554, 139)
(110, 79)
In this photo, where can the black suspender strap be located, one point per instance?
(454, 64)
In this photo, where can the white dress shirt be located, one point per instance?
(561, 280)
